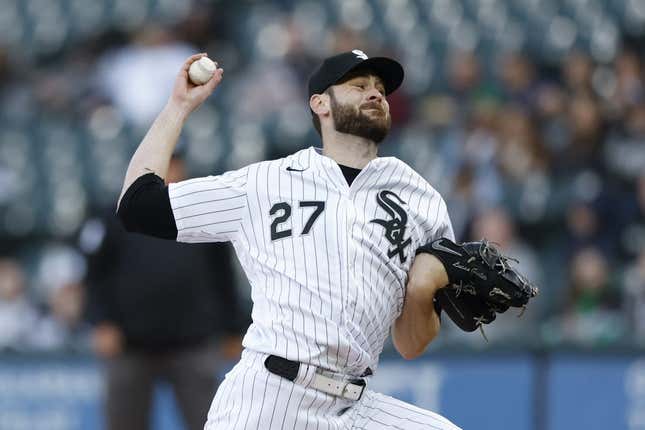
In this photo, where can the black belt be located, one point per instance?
(288, 369)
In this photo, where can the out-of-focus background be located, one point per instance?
(527, 115)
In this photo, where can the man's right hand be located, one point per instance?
(186, 96)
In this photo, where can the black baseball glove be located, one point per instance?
(482, 282)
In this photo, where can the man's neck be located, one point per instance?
(349, 150)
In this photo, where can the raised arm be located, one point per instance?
(419, 323)
(154, 151)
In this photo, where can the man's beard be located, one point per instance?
(350, 120)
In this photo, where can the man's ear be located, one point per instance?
(319, 104)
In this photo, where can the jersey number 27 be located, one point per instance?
(285, 213)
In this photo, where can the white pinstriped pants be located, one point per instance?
(252, 398)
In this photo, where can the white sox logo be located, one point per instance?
(395, 227)
(360, 54)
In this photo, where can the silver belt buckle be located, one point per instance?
(352, 393)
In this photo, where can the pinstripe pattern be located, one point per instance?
(325, 291)
(252, 398)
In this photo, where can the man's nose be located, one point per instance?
(374, 95)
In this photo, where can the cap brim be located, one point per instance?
(390, 71)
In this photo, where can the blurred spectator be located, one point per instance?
(629, 83)
(265, 88)
(461, 200)
(583, 226)
(479, 149)
(577, 73)
(593, 217)
(464, 73)
(162, 311)
(138, 77)
(634, 301)
(520, 151)
(4, 67)
(62, 327)
(518, 78)
(586, 136)
(551, 104)
(632, 222)
(17, 314)
(592, 311)
(466, 83)
(301, 60)
(343, 39)
(625, 148)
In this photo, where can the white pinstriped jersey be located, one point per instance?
(327, 262)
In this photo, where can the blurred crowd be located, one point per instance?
(544, 156)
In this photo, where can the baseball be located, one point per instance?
(201, 71)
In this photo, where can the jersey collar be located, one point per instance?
(329, 169)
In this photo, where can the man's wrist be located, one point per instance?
(176, 111)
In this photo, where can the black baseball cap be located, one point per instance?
(333, 69)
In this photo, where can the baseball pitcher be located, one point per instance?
(341, 248)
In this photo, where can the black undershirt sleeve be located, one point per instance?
(145, 208)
